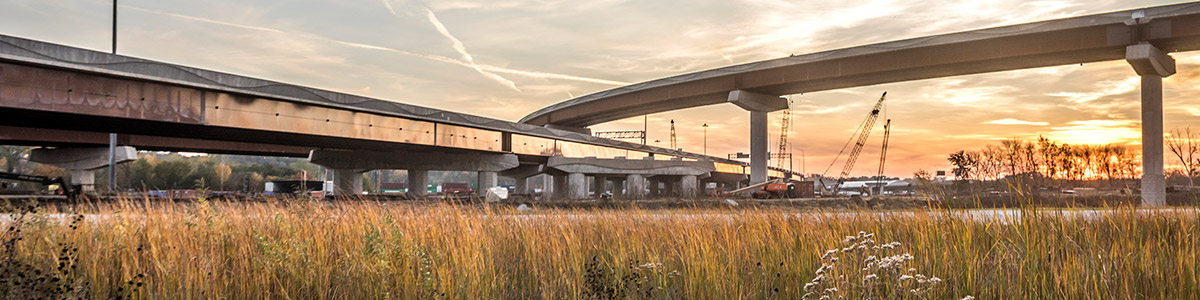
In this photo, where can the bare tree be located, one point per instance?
(1185, 144)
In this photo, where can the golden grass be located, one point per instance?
(370, 250)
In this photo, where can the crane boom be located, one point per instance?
(783, 135)
(887, 131)
(673, 135)
(862, 137)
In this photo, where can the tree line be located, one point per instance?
(1044, 161)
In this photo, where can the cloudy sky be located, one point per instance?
(506, 58)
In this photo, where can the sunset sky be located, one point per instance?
(506, 58)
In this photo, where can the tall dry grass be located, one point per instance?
(370, 250)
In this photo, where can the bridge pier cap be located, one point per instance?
(752, 101)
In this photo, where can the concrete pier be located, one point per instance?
(547, 183)
(347, 182)
(487, 180)
(522, 185)
(560, 187)
(1152, 65)
(655, 187)
(599, 186)
(577, 186)
(82, 162)
(86, 179)
(417, 181)
(758, 147)
(689, 186)
(635, 186)
(758, 105)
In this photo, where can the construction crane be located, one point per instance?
(619, 135)
(887, 131)
(784, 126)
(673, 145)
(71, 191)
(860, 139)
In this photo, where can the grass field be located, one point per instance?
(371, 250)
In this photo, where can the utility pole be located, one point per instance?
(112, 137)
(645, 119)
(705, 138)
(803, 162)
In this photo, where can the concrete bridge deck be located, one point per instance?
(54, 95)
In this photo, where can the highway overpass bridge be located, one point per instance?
(1143, 37)
(55, 95)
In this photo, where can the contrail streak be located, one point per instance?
(462, 50)
(485, 67)
(389, 7)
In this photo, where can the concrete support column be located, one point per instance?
(1152, 64)
(618, 186)
(688, 186)
(577, 186)
(758, 147)
(655, 191)
(487, 180)
(635, 186)
(547, 187)
(670, 189)
(522, 185)
(347, 182)
(599, 185)
(86, 179)
(758, 105)
(82, 162)
(417, 181)
(1154, 187)
(560, 187)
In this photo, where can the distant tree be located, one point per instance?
(143, 173)
(172, 174)
(223, 172)
(964, 163)
(1047, 153)
(1185, 144)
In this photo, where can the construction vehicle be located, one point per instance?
(71, 191)
(860, 140)
(771, 189)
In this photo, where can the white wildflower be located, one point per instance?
(968, 297)
(935, 280)
(870, 277)
(829, 253)
(849, 239)
(826, 297)
(905, 277)
(831, 290)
